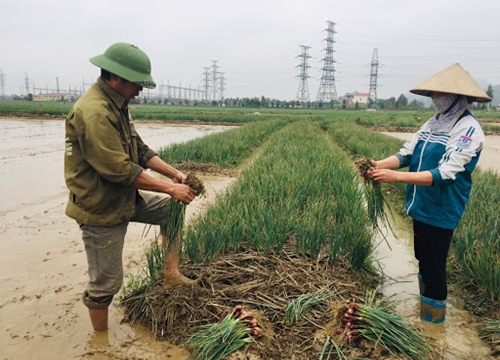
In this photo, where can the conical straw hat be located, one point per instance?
(453, 80)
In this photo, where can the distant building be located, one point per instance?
(354, 97)
(360, 98)
(55, 96)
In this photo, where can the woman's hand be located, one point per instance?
(383, 175)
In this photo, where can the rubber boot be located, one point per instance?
(421, 284)
(99, 319)
(431, 310)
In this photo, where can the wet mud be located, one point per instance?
(43, 265)
(43, 268)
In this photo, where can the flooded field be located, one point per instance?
(43, 269)
(43, 265)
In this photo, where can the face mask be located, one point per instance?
(443, 102)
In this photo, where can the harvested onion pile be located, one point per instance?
(216, 341)
(246, 316)
(381, 325)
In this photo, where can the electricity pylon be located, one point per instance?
(303, 91)
(372, 95)
(327, 90)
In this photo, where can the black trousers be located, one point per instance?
(431, 245)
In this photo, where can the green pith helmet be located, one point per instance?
(128, 62)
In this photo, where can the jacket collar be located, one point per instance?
(118, 100)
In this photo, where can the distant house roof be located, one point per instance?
(362, 94)
(56, 94)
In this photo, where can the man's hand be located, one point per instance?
(179, 178)
(183, 193)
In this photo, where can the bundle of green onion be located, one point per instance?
(174, 221)
(375, 199)
(298, 307)
(379, 323)
(215, 341)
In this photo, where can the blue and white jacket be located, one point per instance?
(451, 158)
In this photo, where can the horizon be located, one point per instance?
(257, 47)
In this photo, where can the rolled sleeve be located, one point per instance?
(438, 179)
(404, 160)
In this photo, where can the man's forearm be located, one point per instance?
(147, 182)
(161, 167)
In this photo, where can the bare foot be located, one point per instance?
(178, 280)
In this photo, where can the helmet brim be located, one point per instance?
(142, 79)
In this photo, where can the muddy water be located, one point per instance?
(43, 265)
(42, 259)
(457, 338)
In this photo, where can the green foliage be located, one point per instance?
(148, 275)
(363, 142)
(476, 245)
(301, 187)
(226, 149)
(34, 108)
(297, 308)
(378, 322)
(216, 341)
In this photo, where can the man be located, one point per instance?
(104, 166)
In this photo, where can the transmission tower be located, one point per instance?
(206, 82)
(214, 79)
(26, 84)
(303, 91)
(372, 96)
(221, 86)
(327, 90)
(2, 83)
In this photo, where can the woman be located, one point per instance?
(441, 157)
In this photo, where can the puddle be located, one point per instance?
(457, 338)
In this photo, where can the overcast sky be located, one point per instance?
(256, 43)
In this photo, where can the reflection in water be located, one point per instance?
(457, 338)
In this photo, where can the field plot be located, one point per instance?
(284, 231)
